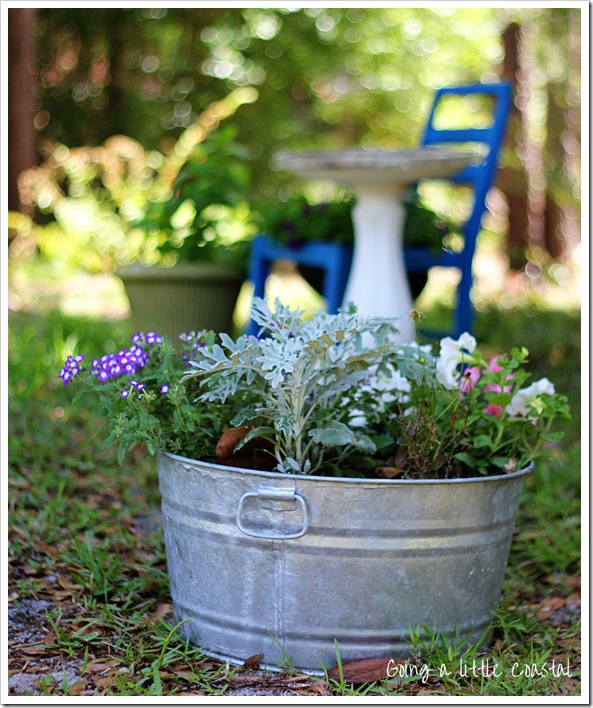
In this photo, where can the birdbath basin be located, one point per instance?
(377, 284)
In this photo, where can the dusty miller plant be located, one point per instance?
(303, 382)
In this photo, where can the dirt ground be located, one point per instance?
(35, 670)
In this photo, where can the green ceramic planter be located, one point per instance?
(189, 296)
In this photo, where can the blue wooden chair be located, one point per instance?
(479, 177)
(335, 259)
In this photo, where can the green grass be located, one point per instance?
(84, 535)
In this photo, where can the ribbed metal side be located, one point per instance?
(184, 302)
(372, 559)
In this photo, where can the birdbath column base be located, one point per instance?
(379, 286)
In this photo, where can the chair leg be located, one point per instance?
(464, 315)
(336, 277)
(259, 270)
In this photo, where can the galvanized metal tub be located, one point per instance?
(285, 565)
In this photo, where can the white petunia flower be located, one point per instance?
(389, 388)
(452, 353)
(400, 383)
(393, 388)
(520, 405)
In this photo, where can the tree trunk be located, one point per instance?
(512, 180)
(21, 95)
(553, 238)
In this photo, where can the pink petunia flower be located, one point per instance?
(470, 378)
(494, 367)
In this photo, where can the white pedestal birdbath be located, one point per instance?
(377, 284)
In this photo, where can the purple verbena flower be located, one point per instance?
(71, 368)
(193, 343)
(125, 362)
(153, 338)
(149, 338)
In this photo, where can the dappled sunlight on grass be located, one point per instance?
(37, 286)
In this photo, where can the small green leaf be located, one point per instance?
(284, 425)
(467, 459)
(333, 434)
(554, 437)
(498, 461)
(364, 443)
(259, 432)
(483, 441)
(382, 441)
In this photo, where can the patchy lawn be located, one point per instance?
(89, 605)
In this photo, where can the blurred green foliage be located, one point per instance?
(118, 203)
(205, 216)
(298, 219)
(325, 77)
(121, 89)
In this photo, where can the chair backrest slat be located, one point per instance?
(458, 135)
(479, 176)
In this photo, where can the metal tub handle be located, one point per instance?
(274, 495)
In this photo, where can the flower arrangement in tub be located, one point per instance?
(326, 395)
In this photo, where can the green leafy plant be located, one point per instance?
(205, 216)
(459, 415)
(335, 385)
(143, 399)
(426, 228)
(303, 382)
(298, 220)
(117, 203)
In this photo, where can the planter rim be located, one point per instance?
(355, 480)
(181, 271)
